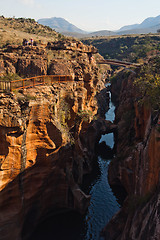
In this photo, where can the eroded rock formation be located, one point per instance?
(47, 139)
(136, 167)
(61, 57)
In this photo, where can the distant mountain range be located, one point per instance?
(60, 25)
(149, 25)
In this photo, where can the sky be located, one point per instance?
(89, 15)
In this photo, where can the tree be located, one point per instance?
(158, 30)
(148, 82)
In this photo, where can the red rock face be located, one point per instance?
(32, 67)
(154, 163)
(140, 171)
(139, 223)
(137, 143)
(67, 57)
(25, 61)
(44, 147)
(60, 67)
(30, 160)
(42, 157)
(142, 121)
(136, 167)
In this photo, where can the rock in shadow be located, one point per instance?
(104, 151)
(54, 134)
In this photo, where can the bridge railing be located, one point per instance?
(7, 86)
(119, 63)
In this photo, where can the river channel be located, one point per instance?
(103, 204)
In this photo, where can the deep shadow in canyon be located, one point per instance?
(71, 225)
(67, 225)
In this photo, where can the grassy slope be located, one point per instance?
(14, 30)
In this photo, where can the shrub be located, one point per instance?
(10, 77)
(149, 86)
(148, 82)
(85, 115)
(64, 112)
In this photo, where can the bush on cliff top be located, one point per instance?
(148, 81)
(128, 48)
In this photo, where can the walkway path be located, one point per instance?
(9, 86)
(119, 63)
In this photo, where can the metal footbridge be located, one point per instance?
(119, 63)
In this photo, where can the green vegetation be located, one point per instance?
(60, 36)
(27, 25)
(24, 98)
(148, 81)
(127, 48)
(64, 116)
(115, 77)
(14, 30)
(64, 112)
(29, 97)
(85, 115)
(10, 77)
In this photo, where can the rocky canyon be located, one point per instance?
(49, 133)
(136, 166)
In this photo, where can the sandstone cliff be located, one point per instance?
(47, 136)
(137, 165)
(60, 57)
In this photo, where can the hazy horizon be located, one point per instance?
(88, 15)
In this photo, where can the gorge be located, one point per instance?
(54, 156)
(103, 203)
(47, 137)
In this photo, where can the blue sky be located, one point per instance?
(85, 14)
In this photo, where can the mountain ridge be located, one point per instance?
(149, 25)
(60, 25)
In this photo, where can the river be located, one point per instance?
(103, 204)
